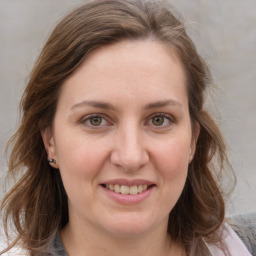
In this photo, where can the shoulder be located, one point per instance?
(245, 227)
(55, 247)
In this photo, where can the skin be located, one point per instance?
(143, 131)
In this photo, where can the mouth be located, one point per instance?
(127, 190)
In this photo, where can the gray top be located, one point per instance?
(243, 225)
(245, 228)
(57, 248)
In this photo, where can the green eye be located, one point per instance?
(95, 121)
(158, 120)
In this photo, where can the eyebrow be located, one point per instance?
(108, 106)
(162, 103)
(95, 104)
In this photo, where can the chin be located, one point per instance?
(131, 226)
(128, 232)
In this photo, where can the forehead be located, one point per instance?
(138, 68)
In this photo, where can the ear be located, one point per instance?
(49, 144)
(195, 135)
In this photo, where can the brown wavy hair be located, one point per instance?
(37, 203)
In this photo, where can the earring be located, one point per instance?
(51, 161)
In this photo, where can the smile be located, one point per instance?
(127, 190)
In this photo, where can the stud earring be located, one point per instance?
(51, 161)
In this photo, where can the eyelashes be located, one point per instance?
(95, 121)
(160, 120)
(156, 120)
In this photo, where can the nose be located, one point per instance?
(129, 152)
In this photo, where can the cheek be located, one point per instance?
(79, 154)
(172, 161)
(174, 153)
(80, 161)
(79, 165)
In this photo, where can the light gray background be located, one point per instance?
(225, 34)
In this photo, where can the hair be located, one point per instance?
(37, 203)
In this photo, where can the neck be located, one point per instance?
(85, 242)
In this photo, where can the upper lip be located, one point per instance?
(126, 182)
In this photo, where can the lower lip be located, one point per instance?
(129, 199)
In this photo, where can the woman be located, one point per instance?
(115, 148)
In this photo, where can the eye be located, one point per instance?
(94, 121)
(161, 120)
(158, 120)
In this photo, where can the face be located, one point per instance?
(122, 138)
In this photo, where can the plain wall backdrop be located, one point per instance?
(225, 34)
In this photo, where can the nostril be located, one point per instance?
(129, 162)
(129, 155)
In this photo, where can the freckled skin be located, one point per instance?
(124, 143)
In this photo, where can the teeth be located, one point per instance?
(126, 190)
(133, 190)
(140, 188)
(117, 188)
